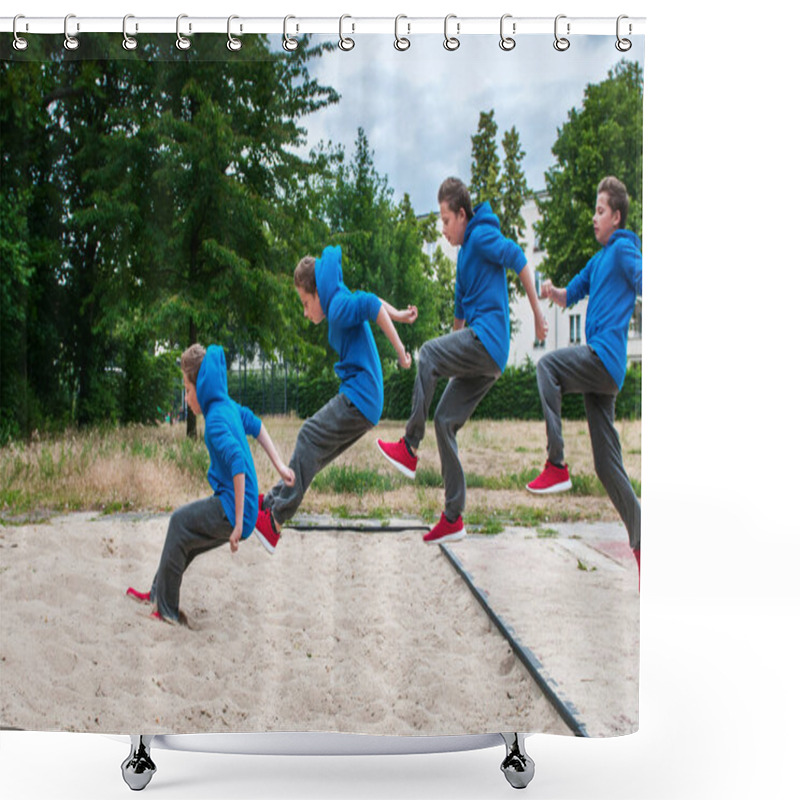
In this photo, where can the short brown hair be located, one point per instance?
(191, 360)
(305, 276)
(454, 192)
(617, 195)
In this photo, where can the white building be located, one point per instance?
(566, 326)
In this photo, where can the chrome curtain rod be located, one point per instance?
(299, 25)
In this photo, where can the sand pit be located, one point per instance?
(338, 631)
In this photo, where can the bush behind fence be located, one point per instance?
(280, 389)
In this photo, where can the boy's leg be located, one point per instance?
(322, 438)
(193, 529)
(459, 400)
(570, 370)
(457, 354)
(608, 463)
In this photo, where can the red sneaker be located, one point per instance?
(445, 531)
(142, 597)
(397, 454)
(551, 479)
(265, 531)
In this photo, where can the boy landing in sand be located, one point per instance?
(229, 515)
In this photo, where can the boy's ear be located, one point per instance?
(616, 218)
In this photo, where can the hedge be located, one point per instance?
(514, 396)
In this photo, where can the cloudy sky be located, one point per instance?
(419, 108)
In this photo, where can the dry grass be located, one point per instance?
(157, 468)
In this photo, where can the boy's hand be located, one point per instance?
(408, 315)
(287, 473)
(540, 323)
(235, 538)
(550, 292)
(404, 358)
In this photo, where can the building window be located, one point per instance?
(574, 328)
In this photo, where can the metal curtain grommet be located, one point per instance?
(234, 44)
(182, 43)
(19, 43)
(507, 42)
(289, 42)
(345, 43)
(561, 43)
(451, 43)
(128, 42)
(401, 42)
(623, 45)
(70, 42)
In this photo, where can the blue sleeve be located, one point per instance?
(630, 260)
(350, 309)
(497, 249)
(579, 286)
(225, 445)
(251, 423)
(458, 310)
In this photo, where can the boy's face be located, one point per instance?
(312, 308)
(605, 221)
(191, 395)
(454, 224)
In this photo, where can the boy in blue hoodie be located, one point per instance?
(229, 515)
(358, 405)
(613, 279)
(474, 355)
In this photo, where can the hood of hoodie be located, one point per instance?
(212, 380)
(624, 233)
(483, 216)
(328, 274)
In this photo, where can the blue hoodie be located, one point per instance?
(613, 279)
(349, 334)
(227, 427)
(481, 286)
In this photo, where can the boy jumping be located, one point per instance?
(358, 405)
(230, 513)
(474, 355)
(613, 279)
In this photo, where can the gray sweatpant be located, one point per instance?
(579, 370)
(193, 529)
(323, 437)
(461, 357)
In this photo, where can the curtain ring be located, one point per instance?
(401, 42)
(182, 43)
(451, 43)
(561, 44)
(128, 42)
(70, 42)
(345, 43)
(234, 44)
(623, 45)
(289, 42)
(19, 42)
(507, 43)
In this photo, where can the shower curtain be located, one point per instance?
(158, 194)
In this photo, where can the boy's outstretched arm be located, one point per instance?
(540, 323)
(550, 292)
(387, 326)
(238, 493)
(264, 439)
(408, 314)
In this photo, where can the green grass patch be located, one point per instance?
(351, 480)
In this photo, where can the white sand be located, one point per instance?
(338, 631)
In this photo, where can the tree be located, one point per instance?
(603, 137)
(159, 200)
(485, 182)
(513, 188)
(383, 243)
